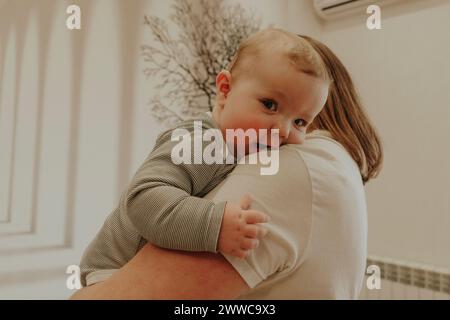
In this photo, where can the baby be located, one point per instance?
(276, 82)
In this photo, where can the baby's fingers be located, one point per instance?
(255, 231)
(246, 201)
(240, 253)
(249, 244)
(253, 216)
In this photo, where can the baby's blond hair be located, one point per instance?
(299, 51)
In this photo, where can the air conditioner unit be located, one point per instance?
(331, 9)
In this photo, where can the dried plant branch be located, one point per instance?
(185, 68)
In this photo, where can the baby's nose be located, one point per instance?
(275, 140)
(284, 130)
(280, 129)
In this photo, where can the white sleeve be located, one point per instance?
(287, 198)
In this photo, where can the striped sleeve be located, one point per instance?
(161, 203)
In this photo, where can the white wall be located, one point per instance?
(403, 75)
(75, 125)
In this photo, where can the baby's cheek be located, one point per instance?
(260, 124)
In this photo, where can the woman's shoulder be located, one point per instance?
(324, 142)
(323, 155)
(333, 174)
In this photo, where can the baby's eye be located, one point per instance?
(270, 104)
(300, 123)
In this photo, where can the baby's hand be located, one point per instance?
(240, 228)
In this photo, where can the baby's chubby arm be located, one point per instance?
(160, 203)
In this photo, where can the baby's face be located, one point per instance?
(274, 96)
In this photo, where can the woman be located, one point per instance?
(316, 246)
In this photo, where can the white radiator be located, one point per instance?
(402, 280)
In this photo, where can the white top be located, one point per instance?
(317, 242)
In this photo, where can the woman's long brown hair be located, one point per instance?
(344, 117)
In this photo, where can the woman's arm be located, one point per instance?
(156, 273)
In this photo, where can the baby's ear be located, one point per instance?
(223, 83)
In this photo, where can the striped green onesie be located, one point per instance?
(162, 205)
